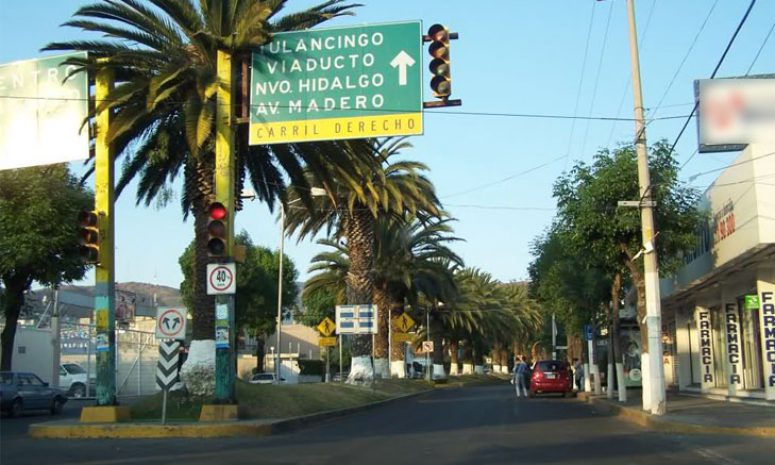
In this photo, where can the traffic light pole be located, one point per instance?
(654, 382)
(224, 192)
(104, 289)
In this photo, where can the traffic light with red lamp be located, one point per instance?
(441, 80)
(217, 230)
(88, 237)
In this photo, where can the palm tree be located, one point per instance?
(350, 212)
(163, 53)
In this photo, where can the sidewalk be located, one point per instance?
(692, 414)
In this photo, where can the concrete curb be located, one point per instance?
(666, 425)
(56, 430)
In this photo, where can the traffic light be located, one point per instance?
(217, 230)
(441, 82)
(88, 237)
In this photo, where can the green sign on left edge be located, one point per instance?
(40, 115)
(341, 83)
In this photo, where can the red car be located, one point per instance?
(551, 376)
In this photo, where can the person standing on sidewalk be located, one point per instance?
(520, 378)
(578, 373)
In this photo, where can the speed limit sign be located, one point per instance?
(221, 278)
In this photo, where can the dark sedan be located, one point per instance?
(25, 391)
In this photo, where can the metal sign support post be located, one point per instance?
(224, 193)
(341, 365)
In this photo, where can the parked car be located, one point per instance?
(73, 379)
(265, 378)
(551, 376)
(25, 391)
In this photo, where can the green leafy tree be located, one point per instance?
(587, 200)
(256, 303)
(38, 237)
(163, 53)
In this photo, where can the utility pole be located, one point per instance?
(654, 382)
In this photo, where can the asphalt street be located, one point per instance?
(480, 425)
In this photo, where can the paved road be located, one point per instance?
(484, 425)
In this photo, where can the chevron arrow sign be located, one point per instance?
(167, 368)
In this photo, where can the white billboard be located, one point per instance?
(735, 112)
(40, 115)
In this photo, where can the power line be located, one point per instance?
(388, 110)
(507, 178)
(713, 75)
(501, 207)
(752, 159)
(581, 80)
(686, 56)
(760, 49)
(597, 76)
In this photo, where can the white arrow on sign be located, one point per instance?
(402, 61)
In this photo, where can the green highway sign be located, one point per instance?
(341, 83)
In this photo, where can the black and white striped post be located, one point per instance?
(167, 371)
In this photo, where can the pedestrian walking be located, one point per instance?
(578, 373)
(520, 376)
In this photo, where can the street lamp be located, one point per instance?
(316, 192)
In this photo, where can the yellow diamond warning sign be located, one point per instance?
(403, 323)
(327, 327)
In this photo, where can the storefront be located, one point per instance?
(719, 309)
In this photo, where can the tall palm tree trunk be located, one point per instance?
(359, 229)
(381, 344)
(454, 368)
(199, 185)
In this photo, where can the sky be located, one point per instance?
(493, 162)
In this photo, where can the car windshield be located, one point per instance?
(74, 369)
(550, 365)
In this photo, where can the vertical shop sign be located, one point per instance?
(734, 355)
(706, 347)
(767, 315)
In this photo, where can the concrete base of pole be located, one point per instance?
(398, 369)
(219, 412)
(609, 392)
(620, 379)
(106, 414)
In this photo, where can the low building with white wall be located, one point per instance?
(718, 340)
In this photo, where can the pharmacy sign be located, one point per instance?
(341, 83)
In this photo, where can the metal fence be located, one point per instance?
(137, 353)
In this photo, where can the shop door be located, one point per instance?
(753, 378)
(719, 346)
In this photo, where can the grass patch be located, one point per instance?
(264, 401)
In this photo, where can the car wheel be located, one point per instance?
(16, 408)
(78, 390)
(57, 404)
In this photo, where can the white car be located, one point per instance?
(73, 380)
(265, 378)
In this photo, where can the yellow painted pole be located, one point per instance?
(224, 193)
(104, 291)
